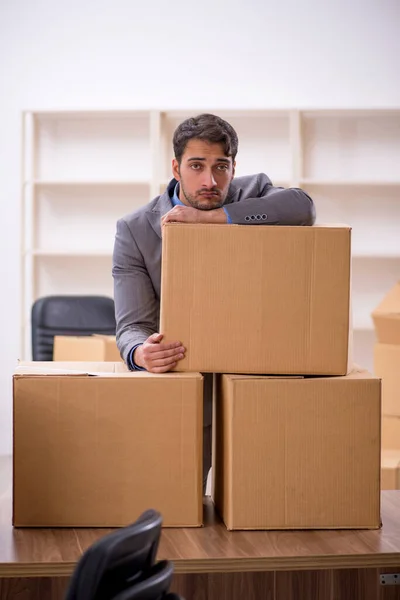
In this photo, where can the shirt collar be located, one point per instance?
(175, 197)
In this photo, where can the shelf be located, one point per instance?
(311, 113)
(349, 183)
(377, 255)
(66, 183)
(70, 253)
(91, 114)
(227, 114)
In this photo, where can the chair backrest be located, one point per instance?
(69, 315)
(154, 585)
(104, 569)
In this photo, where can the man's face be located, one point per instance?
(204, 174)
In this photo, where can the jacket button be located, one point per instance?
(258, 217)
(253, 217)
(264, 217)
(247, 218)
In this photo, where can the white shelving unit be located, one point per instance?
(82, 170)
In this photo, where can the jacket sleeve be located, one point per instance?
(136, 305)
(273, 206)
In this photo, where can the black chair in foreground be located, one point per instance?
(154, 584)
(69, 315)
(113, 564)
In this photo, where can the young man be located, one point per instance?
(203, 191)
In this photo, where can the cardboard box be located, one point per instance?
(96, 451)
(387, 366)
(257, 299)
(390, 433)
(386, 317)
(86, 348)
(298, 453)
(390, 472)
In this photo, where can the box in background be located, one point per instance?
(387, 367)
(294, 453)
(390, 433)
(86, 348)
(390, 471)
(96, 451)
(386, 317)
(257, 299)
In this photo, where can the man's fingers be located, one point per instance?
(155, 338)
(164, 347)
(176, 352)
(164, 369)
(163, 362)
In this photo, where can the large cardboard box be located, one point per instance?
(93, 348)
(246, 299)
(390, 472)
(97, 450)
(390, 432)
(295, 453)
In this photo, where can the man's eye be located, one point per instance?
(195, 166)
(222, 167)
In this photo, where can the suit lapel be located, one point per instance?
(162, 206)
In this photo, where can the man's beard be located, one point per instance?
(198, 203)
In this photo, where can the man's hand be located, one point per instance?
(188, 214)
(158, 357)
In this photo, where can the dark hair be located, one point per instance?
(209, 128)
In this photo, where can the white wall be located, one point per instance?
(135, 54)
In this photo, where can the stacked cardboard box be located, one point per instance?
(257, 299)
(95, 446)
(386, 319)
(298, 453)
(290, 452)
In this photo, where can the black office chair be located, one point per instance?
(123, 556)
(153, 585)
(69, 315)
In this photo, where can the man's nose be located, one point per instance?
(208, 178)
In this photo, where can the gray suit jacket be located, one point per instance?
(136, 269)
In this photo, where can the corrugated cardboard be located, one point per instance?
(387, 366)
(386, 317)
(298, 453)
(86, 348)
(390, 472)
(96, 451)
(391, 433)
(245, 299)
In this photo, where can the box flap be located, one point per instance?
(99, 369)
(76, 366)
(386, 317)
(357, 372)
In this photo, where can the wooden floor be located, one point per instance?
(212, 563)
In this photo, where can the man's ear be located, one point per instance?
(175, 169)
(233, 168)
